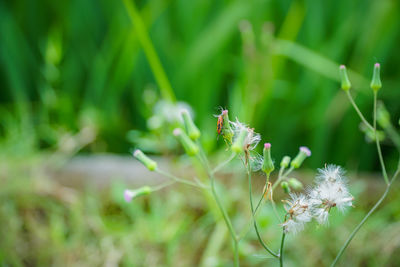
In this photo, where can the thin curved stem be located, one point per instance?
(378, 146)
(248, 226)
(281, 177)
(281, 251)
(358, 111)
(202, 158)
(254, 220)
(343, 248)
(222, 164)
(227, 222)
(359, 226)
(162, 186)
(179, 180)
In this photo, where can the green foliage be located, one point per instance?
(45, 223)
(67, 63)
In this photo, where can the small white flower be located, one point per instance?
(298, 213)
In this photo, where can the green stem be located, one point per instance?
(161, 186)
(378, 146)
(343, 248)
(254, 220)
(147, 45)
(202, 158)
(227, 222)
(358, 111)
(281, 177)
(359, 226)
(220, 166)
(179, 180)
(281, 251)
(248, 226)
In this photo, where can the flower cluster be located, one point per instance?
(330, 191)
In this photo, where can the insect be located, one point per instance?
(220, 124)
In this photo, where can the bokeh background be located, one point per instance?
(85, 82)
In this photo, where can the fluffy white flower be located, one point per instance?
(298, 213)
(331, 173)
(330, 191)
(252, 138)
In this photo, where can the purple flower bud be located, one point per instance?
(128, 195)
(305, 150)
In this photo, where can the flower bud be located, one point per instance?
(376, 83)
(227, 131)
(268, 165)
(191, 128)
(190, 147)
(145, 160)
(370, 135)
(346, 85)
(131, 194)
(285, 187)
(295, 184)
(237, 146)
(285, 161)
(383, 116)
(304, 152)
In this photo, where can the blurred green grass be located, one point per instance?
(272, 63)
(45, 223)
(74, 76)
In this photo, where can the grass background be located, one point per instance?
(81, 76)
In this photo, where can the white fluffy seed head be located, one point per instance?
(330, 191)
(331, 173)
(252, 138)
(298, 213)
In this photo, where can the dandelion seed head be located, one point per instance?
(298, 213)
(331, 173)
(292, 226)
(252, 138)
(330, 191)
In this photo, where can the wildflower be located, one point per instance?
(376, 83)
(145, 160)
(304, 152)
(331, 173)
(331, 191)
(191, 128)
(131, 194)
(190, 147)
(285, 186)
(295, 184)
(285, 161)
(268, 164)
(344, 78)
(298, 213)
(244, 139)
